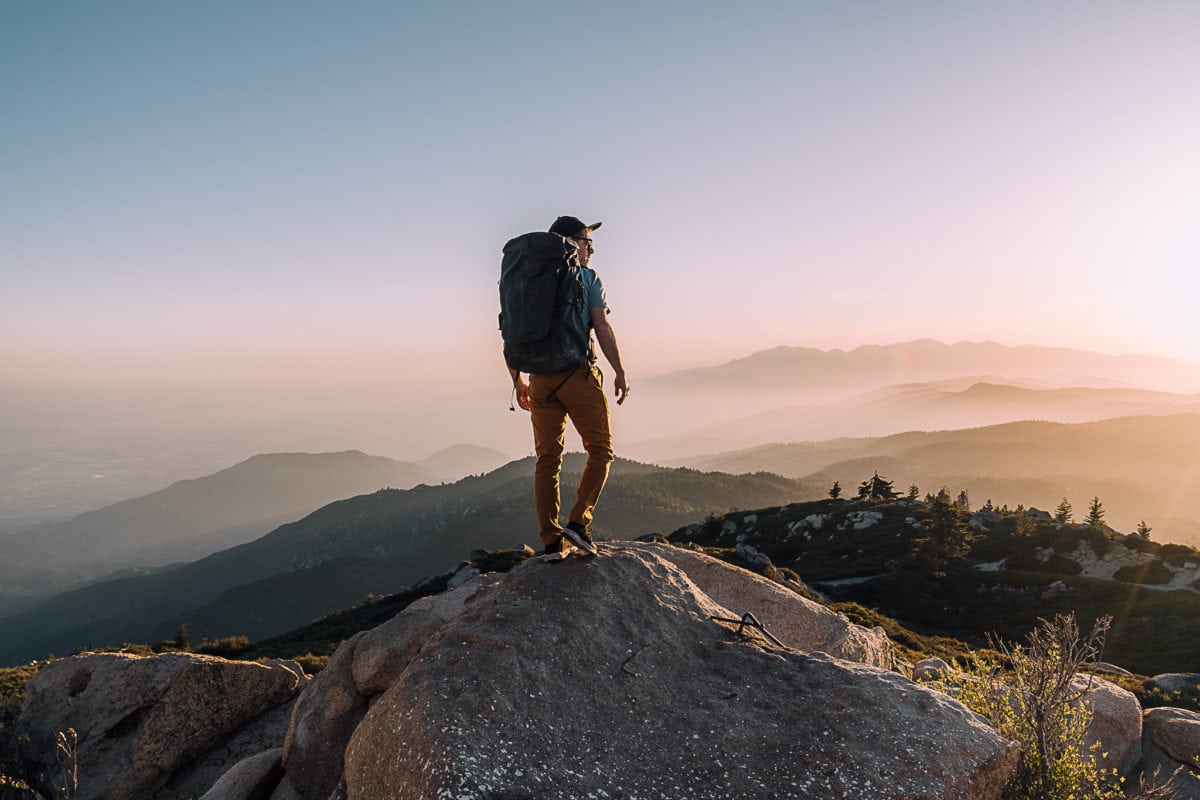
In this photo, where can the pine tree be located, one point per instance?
(1095, 516)
(1143, 530)
(876, 488)
(913, 493)
(1064, 512)
(943, 539)
(183, 639)
(836, 491)
(1026, 526)
(964, 501)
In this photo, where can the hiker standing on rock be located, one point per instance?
(551, 302)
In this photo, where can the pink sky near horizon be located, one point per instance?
(232, 194)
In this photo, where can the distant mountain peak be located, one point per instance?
(924, 360)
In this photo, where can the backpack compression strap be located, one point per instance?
(562, 383)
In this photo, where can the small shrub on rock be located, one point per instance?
(311, 664)
(1035, 699)
(229, 647)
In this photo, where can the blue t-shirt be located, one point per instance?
(593, 292)
(593, 297)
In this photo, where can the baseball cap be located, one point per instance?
(572, 226)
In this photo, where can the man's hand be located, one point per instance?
(522, 394)
(620, 388)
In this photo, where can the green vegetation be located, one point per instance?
(910, 645)
(1064, 512)
(228, 647)
(876, 488)
(1152, 573)
(872, 566)
(941, 543)
(12, 694)
(1033, 697)
(1178, 555)
(1095, 516)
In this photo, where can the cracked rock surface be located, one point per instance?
(606, 678)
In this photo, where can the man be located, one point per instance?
(577, 393)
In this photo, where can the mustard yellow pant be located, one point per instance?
(580, 396)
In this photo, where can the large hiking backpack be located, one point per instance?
(542, 318)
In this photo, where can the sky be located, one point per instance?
(315, 194)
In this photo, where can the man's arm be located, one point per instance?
(607, 339)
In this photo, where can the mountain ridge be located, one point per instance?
(927, 358)
(1139, 466)
(408, 531)
(933, 406)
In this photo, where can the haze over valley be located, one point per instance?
(67, 451)
(1023, 426)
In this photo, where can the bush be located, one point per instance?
(1152, 573)
(310, 663)
(1068, 537)
(1141, 545)
(1037, 701)
(229, 647)
(1178, 554)
(1024, 560)
(1062, 565)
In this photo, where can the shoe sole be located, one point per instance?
(580, 542)
(563, 555)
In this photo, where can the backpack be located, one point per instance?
(542, 319)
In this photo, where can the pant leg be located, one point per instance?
(587, 406)
(549, 428)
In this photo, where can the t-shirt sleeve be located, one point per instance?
(594, 291)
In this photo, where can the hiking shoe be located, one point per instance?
(557, 551)
(579, 536)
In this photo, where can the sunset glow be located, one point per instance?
(304, 205)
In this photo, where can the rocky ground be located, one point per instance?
(616, 676)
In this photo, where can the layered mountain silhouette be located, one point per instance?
(942, 405)
(374, 543)
(798, 394)
(195, 517)
(1142, 467)
(459, 461)
(926, 360)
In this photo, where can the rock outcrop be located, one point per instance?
(796, 621)
(144, 723)
(1177, 682)
(1171, 750)
(1116, 723)
(256, 776)
(608, 677)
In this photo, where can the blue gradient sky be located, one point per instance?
(208, 190)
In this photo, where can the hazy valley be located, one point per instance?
(220, 552)
(64, 452)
